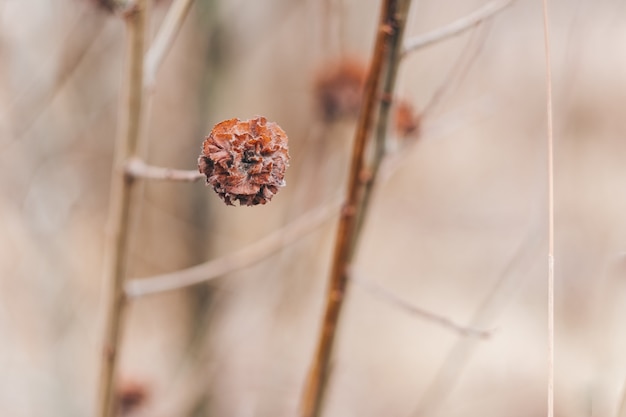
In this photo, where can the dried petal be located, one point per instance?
(245, 161)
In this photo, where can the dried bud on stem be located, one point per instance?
(245, 160)
(406, 119)
(339, 90)
(131, 395)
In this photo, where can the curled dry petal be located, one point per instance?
(245, 161)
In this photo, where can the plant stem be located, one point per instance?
(455, 28)
(392, 299)
(312, 400)
(165, 38)
(394, 55)
(121, 202)
(245, 257)
(137, 168)
(550, 143)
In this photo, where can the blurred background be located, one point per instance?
(458, 225)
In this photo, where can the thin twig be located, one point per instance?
(396, 301)
(172, 23)
(392, 18)
(245, 257)
(121, 203)
(459, 70)
(137, 168)
(382, 120)
(550, 137)
(621, 412)
(500, 294)
(66, 72)
(455, 28)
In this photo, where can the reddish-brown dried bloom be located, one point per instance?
(130, 396)
(245, 160)
(339, 89)
(406, 119)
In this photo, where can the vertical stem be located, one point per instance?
(390, 21)
(550, 136)
(394, 56)
(121, 202)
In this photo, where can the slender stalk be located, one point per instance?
(121, 202)
(550, 137)
(315, 385)
(621, 412)
(165, 37)
(137, 168)
(245, 257)
(392, 299)
(393, 58)
(455, 28)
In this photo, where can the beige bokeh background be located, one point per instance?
(458, 227)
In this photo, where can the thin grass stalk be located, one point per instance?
(550, 146)
(121, 203)
(318, 375)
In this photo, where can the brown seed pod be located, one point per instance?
(130, 396)
(406, 119)
(245, 161)
(339, 89)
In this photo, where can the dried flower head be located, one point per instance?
(130, 396)
(406, 119)
(339, 89)
(107, 5)
(245, 161)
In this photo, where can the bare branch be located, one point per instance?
(394, 300)
(122, 193)
(137, 168)
(550, 175)
(165, 37)
(243, 258)
(455, 28)
(384, 65)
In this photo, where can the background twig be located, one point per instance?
(550, 138)
(121, 203)
(248, 256)
(455, 28)
(165, 37)
(393, 299)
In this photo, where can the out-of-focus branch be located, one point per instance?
(455, 28)
(243, 258)
(172, 23)
(396, 301)
(137, 168)
(121, 203)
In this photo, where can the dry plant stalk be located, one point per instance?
(392, 20)
(550, 172)
(455, 28)
(400, 303)
(165, 37)
(121, 202)
(137, 168)
(245, 257)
